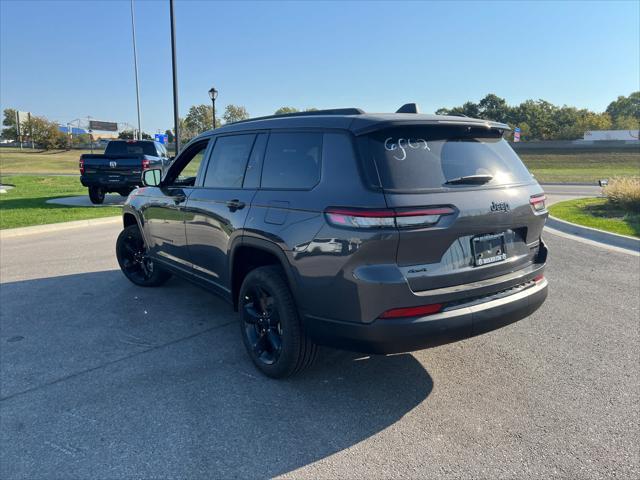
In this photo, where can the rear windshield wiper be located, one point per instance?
(470, 180)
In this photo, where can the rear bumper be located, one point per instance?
(408, 334)
(107, 183)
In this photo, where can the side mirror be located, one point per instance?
(151, 178)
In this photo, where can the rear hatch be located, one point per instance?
(472, 210)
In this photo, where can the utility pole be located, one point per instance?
(176, 119)
(135, 66)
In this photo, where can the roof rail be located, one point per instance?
(310, 113)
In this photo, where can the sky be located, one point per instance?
(70, 59)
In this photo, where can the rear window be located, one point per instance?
(134, 148)
(426, 157)
(292, 160)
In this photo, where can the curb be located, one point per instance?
(608, 238)
(54, 227)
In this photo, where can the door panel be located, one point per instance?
(164, 215)
(214, 218)
(215, 214)
(164, 220)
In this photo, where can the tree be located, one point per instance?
(126, 135)
(493, 107)
(235, 113)
(198, 120)
(81, 139)
(283, 110)
(130, 135)
(9, 132)
(44, 133)
(625, 106)
(626, 122)
(169, 134)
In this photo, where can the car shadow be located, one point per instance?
(100, 378)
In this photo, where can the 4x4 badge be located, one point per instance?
(500, 207)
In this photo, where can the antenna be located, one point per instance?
(408, 108)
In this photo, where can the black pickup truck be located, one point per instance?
(120, 168)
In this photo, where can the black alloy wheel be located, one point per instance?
(262, 327)
(270, 325)
(134, 261)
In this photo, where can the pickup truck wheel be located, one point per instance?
(134, 261)
(271, 330)
(96, 195)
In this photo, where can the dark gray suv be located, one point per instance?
(378, 233)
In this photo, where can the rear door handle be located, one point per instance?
(235, 204)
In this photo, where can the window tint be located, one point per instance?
(130, 148)
(423, 157)
(228, 161)
(292, 160)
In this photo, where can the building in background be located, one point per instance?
(608, 135)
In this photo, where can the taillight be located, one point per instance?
(386, 218)
(538, 202)
(81, 165)
(146, 164)
(412, 311)
(538, 278)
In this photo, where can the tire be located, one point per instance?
(96, 195)
(270, 327)
(133, 261)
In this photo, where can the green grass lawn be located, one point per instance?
(581, 167)
(14, 160)
(25, 204)
(598, 213)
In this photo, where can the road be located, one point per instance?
(102, 379)
(560, 192)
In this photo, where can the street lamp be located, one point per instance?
(213, 94)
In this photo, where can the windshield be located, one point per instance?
(427, 157)
(131, 148)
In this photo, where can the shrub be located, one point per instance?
(624, 192)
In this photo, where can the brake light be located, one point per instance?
(386, 218)
(81, 165)
(538, 278)
(146, 164)
(412, 311)
(538, 202)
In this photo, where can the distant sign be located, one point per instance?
(516, 134)
(162, 138)
(104, 126)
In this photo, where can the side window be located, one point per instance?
(228, 161)
(292, 160)
(186, 165)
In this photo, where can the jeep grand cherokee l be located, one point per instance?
(379, 233)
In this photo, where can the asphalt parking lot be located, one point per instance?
(102, 379)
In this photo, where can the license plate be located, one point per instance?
(488, 249)
(114, 178)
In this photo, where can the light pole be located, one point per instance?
(176, 119)
(135, 67)
(213, 94)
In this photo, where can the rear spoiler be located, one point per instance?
(445, 121)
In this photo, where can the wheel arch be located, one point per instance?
(251, 253)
